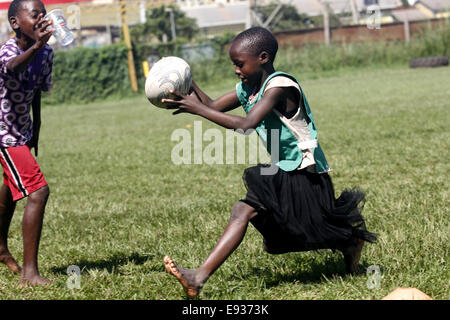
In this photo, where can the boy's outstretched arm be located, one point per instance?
(20, 63)
(227, 102)
(261, 109)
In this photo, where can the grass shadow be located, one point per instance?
(110, 264)
(317, 272)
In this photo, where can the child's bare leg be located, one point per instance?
(352, 254)
(7, 207)
(193, 280)
(31, 229)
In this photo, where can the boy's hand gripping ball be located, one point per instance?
(169, 73)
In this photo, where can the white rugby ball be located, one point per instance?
(169, 73)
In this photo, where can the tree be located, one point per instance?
(405, 3)
(287, 17)
(158, 25)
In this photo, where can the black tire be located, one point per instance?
(429, 62)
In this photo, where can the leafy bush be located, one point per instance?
(84, 75)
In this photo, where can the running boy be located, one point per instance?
(293, 207)
(25, 70)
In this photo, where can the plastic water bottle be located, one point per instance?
(62, 33)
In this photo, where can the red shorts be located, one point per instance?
(21, 172)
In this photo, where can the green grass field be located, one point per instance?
(118, 204)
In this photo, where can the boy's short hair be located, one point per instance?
(258, 39)
(14, 7)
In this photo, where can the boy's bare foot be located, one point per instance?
(352, 254)
(9, 261)
(186, 277)
(35, 280)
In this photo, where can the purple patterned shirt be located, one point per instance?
(17, 92)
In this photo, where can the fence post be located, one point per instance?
(326, 21)
(355, 13)
(407, 31)
(326, 25)
(126, 36)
